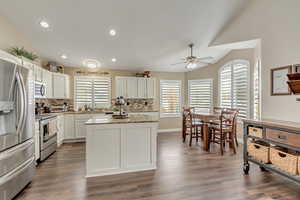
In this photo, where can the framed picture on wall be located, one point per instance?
(279, 80)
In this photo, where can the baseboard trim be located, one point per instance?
(176, 130)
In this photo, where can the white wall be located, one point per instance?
(276, 23)
(10, 37)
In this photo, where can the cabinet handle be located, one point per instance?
(282, 137)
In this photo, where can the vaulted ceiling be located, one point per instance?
(151, 34)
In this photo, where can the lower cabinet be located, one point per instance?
(74, 128)
(69, 128)
(60, 128)
(37, 140)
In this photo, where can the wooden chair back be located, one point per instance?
(228, 118)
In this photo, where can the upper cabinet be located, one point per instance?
(47, 80)
(38, 73)
(61, 84)
(135, 87)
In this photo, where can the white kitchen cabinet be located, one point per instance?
(37, 140)
(132, 87)
(135, 87)
(142, 87)
(69, 127)
(58, 85)
(121, 84)
(80, 128)
(67, 87)
(151, 88)
(60, 128)
(47, 79)
(38, 73)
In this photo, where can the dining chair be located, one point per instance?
(235, 124)
(224, 131)
(191, 126)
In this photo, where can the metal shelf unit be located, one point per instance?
(263, 166)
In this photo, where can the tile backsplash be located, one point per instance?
(137, 105)
(132, 104)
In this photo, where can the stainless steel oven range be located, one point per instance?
(48, 136)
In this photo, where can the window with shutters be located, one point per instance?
(170, 98)
(200, 94)
(256, 90)
(95, 92)
(234, 86)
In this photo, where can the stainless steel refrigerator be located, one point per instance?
(17, 163)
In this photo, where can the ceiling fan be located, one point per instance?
(193, 61)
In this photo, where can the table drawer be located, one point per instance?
(283, 137)
(256, 132)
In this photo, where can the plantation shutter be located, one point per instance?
(170, 98)
(225, 87)
(92, 91)
(102, 92)
(234, 86)
(240, 89)
(200, 94)
(83, 91)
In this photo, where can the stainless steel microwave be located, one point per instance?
(39, 89)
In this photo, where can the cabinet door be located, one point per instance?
(47, 78)
(142, 87)
(80, 128)
(38, 73)
(60, 126)
(132, 87)
(69, 127)
(67, 86)
(37, 140)
(151, 88)
(58, 86)
(121, 84)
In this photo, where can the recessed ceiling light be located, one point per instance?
(63, 56)
(91, 63)
(112, 32)
(114, 60)
(44, 24)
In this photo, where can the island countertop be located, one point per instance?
(136, 118)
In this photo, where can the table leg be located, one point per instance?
(206, 138)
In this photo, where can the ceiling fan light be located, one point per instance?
(191, 66)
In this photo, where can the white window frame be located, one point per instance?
(211, 92)
(231, 63)
(93, 100)
(167, 115)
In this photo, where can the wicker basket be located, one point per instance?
(286, 161)
(256, 132)
(259, 151)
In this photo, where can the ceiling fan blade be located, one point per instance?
(206, 58)
(178, 63)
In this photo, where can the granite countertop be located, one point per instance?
(276, 123)
(137, 118)
(97, 112)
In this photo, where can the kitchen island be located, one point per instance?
(115, 146)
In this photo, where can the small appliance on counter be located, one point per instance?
(120, 101)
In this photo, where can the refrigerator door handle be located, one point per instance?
(21, 118)
(12, 84)
(25, 103)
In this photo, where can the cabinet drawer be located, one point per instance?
(283, 137)
(256, 132)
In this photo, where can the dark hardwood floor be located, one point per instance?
(184, 173)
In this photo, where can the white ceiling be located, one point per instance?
(151, 34)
